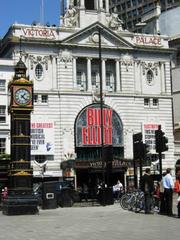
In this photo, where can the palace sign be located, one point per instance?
(147, 40)
(39, 32)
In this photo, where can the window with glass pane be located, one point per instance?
(39, 71)
(155, 102)
(79, 78)
(149, 77)
(35, 98)
(44, 98)
(2, 113)
(108, 78)
(2, 84)
(2, 145)
(93, 78)
(146, 102)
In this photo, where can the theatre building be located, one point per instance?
(66, 64)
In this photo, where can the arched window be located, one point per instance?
(39, 71)
(149, 77)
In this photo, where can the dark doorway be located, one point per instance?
(91, 177)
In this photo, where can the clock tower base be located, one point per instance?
(20, 205)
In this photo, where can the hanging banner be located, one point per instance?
(42, 137)
(89, 126)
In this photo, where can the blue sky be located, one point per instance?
(27, 11)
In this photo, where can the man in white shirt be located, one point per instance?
(168, 185)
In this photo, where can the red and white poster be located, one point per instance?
(42, 137)
(149, 135)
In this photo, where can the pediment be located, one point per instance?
(89, 37)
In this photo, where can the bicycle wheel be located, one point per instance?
(139, 206)
(124, 201)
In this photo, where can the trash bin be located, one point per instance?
(65, 198)
(49, 195)
(106, 196)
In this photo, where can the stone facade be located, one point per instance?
(63, 64)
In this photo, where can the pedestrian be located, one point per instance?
(147, 186)
(117, 190)
(156, 195)
(177, 190)
(168, 185)
(85, 191)
(4, 193)
(162, 210)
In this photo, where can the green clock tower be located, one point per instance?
(20, 176)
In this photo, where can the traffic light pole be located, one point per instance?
(135, 173)
(160, 164)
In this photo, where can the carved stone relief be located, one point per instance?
(39, 59)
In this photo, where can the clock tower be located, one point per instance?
(20, 190)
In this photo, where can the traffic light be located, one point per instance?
(161, 141)
(137, 145)
(145, 151)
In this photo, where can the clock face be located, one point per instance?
(22, 96)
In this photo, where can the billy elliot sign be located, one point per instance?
(88, 127)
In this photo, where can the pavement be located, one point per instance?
(91, 223)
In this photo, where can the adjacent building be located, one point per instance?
(134, 13)
(67, 64)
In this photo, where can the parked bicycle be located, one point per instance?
(135, 201)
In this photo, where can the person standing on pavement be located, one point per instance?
(147, 186)
(168, 185)
(177, 190)
(117, 190)
(162, 198)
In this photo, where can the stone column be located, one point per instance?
(89, 83)
(107, 6)
(163, 78)
(74, 72)
(100, 4)
(82, 3)
(137, 76)
(95, 4)
(104, 74)
(54, 75)
(117, 76)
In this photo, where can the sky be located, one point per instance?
(27, 11)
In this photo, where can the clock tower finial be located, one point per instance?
(20, 70)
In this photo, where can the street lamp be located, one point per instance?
(101, 104)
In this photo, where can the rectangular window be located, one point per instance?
(108, 78)
(95, 79)
(146, 102)
(35, 98)
(155, 102)
(2, 85)
(44, 98)
(79, 78)
(2, 114)
(2, 145)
